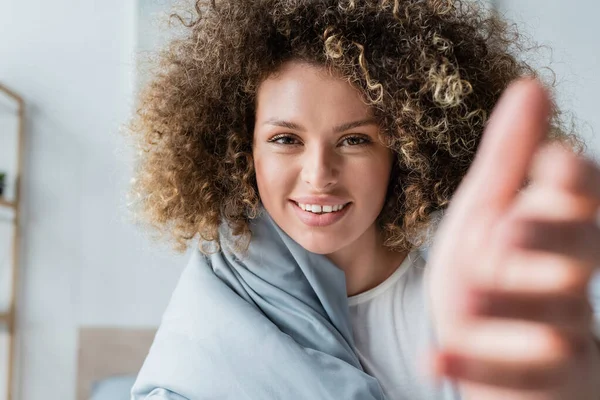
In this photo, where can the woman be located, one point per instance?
(312, 145)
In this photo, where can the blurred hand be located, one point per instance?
(509, 271)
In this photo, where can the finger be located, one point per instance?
(515, 130)
(529, 377)
(570, 313)
(541, 273)
(575, 239)
(514, 341)
(566, 263)
(513, 353)
(544, 201)
(549, 202)
(560, 168)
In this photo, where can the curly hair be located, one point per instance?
(432, 70)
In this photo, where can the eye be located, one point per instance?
(285, 140)
(356, 140)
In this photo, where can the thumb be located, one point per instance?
(515, 130)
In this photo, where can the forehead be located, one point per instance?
(301, 90)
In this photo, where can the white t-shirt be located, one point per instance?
(392, 333)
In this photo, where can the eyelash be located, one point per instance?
(365, 140)
(279, 137)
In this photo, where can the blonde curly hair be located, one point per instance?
(432, 70)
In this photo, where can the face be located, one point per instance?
(322, 172)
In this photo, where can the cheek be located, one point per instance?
(371, 178)
(272, 177)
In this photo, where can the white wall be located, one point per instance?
(571, 30)
(83, 263)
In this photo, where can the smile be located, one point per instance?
(319, 215)
(321, 209)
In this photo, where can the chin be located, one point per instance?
(318, 246)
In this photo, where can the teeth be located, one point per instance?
(317, 209)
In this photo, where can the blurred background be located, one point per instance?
(91, 285)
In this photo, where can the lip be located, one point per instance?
(320, 220)
(320, 200)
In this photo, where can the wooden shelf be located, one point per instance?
(4, 318)
(6, 203)
(7, 319)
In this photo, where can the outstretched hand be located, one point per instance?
(510, 267)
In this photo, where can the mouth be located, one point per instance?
(320, 215)
(321, 209)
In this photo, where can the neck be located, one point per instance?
(366, 262)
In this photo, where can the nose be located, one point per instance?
(320, 168)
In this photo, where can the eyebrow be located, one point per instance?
(337, 129)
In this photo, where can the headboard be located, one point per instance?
(106, 352)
